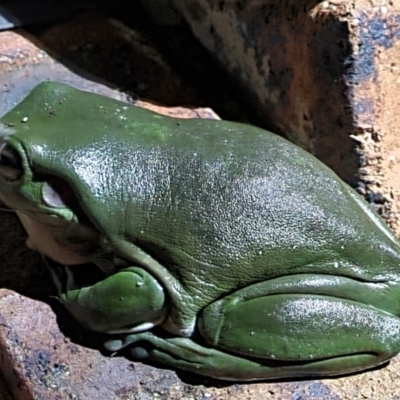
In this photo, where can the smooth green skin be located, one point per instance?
(130, 297)
(265, 263)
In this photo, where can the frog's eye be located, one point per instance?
(10, 163)
(51, 197)
(57, 193)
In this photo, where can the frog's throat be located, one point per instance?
(182, 318)
(46, 239)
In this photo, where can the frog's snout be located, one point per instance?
(10, 162)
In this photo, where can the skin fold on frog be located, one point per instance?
(253, 257)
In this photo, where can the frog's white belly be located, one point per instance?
(52, 240)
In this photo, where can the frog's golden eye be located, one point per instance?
(10, 163)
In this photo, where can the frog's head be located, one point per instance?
(56, 164)
(46, 206)
(35, 180)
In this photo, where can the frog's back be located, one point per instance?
(223, 202)
(212, 201)
(247, 205)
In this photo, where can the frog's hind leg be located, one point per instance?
(277, 329)
(289, 336)
(306, 334)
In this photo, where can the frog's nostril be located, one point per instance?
(10, 163)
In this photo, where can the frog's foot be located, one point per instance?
(293, 335)
(187, 355)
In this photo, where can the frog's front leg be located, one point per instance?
(131, 300)
(274, 330)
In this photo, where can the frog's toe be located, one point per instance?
(140, 353)
(158, 348)
(114, 345)
(119, 344)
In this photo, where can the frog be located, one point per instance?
(220, 248)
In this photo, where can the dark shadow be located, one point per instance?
(164, 65)
(20, 267)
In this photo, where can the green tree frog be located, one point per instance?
(222, 249)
